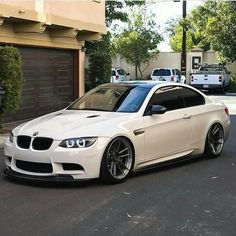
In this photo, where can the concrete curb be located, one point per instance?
(230, 94)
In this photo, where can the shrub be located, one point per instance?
(100, 68)
(232, 87)
(11, 78)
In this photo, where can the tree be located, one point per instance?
(195, 26)
(221, 31)
(11, 78)
(100, 68)
(100, 52)
(138, 42)
(176, 39)
(114, 10)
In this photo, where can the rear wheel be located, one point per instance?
(214, 141)
(117, 161)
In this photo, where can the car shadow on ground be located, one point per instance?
(76, 184)
(170, 165)
(96, 182)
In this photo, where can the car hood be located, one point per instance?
(73, 123)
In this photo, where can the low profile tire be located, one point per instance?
(117, 162)
(214, 141)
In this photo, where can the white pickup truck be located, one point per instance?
(211, 77)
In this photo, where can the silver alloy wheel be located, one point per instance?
(216, 139)
(119, 158)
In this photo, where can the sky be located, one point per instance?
(167, 9)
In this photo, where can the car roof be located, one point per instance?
(138, 83)
(164, 68)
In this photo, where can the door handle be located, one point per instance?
(186, 116)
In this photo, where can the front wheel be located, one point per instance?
(117, 161)
(214, 141)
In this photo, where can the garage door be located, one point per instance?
(48, 75)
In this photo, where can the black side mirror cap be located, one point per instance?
(156, 110)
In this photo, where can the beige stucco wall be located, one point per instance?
(51, 23)
(170, 59)
(89, 10)
(21, 4)
(164, 59)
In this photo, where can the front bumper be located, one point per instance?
(57, 158)
(32, 178)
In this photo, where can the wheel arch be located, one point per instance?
(111, 140)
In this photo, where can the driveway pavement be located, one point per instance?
(192, 198)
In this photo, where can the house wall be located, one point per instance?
(90, 12)
(60, 24)
(47, 32)
(69, 21)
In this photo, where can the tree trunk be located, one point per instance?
(136, 72)
(140, 71)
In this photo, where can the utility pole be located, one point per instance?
(183, 53)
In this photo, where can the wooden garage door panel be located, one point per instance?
(48, 75)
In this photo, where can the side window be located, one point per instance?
(178, 72)
(121, 72)
(173, 72)
(170, 97)
(113, 73)
(192, 98)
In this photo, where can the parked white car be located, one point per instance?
(211, 77)
(119, 75)
(168, 74)
(115, 129)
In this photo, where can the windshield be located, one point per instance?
(112, 98)
(161, 72)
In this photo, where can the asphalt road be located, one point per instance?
(197, 197)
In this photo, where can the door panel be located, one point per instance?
(167, 134)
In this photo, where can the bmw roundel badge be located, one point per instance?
(35, 133)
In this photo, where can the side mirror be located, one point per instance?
(156, 110)
(229, 72)
(127, 73)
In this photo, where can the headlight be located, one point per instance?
(11, 137)
(78, 142)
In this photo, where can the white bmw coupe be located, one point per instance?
(115, 129)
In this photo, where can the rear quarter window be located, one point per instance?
(192, 98)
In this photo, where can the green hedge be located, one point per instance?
(99, 68)
(11, 78)
(232, 87)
